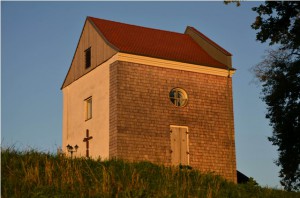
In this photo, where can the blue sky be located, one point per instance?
(38, 40)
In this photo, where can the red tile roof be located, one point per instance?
(155, 43)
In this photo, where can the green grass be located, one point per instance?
(35, 174)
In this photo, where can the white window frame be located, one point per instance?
(88, 108)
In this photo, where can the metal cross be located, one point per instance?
(86, 140)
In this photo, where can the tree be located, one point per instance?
(279, 73)
(279, 21)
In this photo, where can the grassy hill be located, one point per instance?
(34, 174)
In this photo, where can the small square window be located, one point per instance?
(88, 108)
(87, 58)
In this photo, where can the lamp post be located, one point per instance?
(72, 149)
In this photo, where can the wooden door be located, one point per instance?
(179, 145)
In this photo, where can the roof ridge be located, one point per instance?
(139, 26)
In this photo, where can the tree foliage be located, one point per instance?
(237, 2)
(278, 21)
(279, 73)
(280, 77)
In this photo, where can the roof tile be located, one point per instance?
(155, 43)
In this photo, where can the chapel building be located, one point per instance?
(139, 93)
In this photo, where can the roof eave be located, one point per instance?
(180, 61)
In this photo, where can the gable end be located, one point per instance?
(213, 49)
(101, 51)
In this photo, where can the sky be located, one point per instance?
(38, 41)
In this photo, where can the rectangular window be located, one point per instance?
(87, 58)
(88, 108)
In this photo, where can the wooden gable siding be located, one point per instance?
(100, 52)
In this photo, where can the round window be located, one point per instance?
(178, 97)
